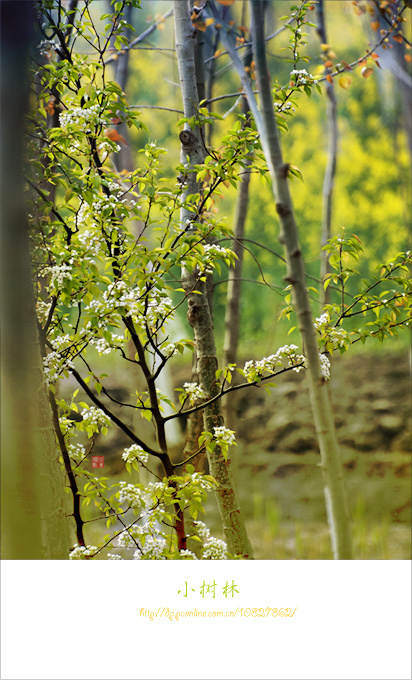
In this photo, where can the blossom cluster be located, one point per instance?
(324, 366)
(187, 555)
(131, 495)
(61, 342)
(158, 310)
(337, 336)
(76, 451)
(213, 548)
(170, 350)
(302, 76)
(224, 436)
(213, 251)
(80, 552)
(153, 549)
(194, 391)
(135, 453)
(46, 46)
(321, 321)
(89, 240)
(118, 295)
(125, 539)
(59, 274)
(286, 354)
(53, 365)
(94, 417)
(42, 310)
(105, 346)
(82, 117)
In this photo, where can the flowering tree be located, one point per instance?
(105, 289)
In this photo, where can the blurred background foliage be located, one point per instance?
(372, 193)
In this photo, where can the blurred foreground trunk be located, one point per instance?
(32, 500)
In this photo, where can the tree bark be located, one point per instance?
(33, 517)
(198, 307)
(232, 317)
(330, 172)
(321, 408)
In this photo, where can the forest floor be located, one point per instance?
(276, 463)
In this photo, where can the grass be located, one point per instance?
(274, 538)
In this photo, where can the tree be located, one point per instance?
(199, 315)
(105, 287)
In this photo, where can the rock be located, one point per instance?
(391, 423)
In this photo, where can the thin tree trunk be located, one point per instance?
(123, 159)
(321, 408)
(232, 317)
(322, 412)
(33, 518)
(330, 172)
(198, 308)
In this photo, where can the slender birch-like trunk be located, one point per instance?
(198, 307)
(232, 317)
(330, 172)
(265, 120)
(321, 407)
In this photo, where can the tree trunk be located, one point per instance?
(123, 159)
(33, 518)
(321, 408)
(330, 172)
(198, 307)
(232, 318)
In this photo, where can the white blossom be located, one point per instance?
(42, 309)
(53, 365)
(81, 552)
(214, 250)
(214, 549)
(125, 539)
(61, 342)
(194, 391)
(59, 274)
(224, 436)
(95, 416)
(324, 366)
(76, 451)
(84, 118)
(202, 530)
(46, 46)
(321, 321)
(131, 495)
(135, 452)
(187, 555)
(170, 350)
(338, 337)
(284, 355)
(302, 76)
(113, 556)
(153, 549)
